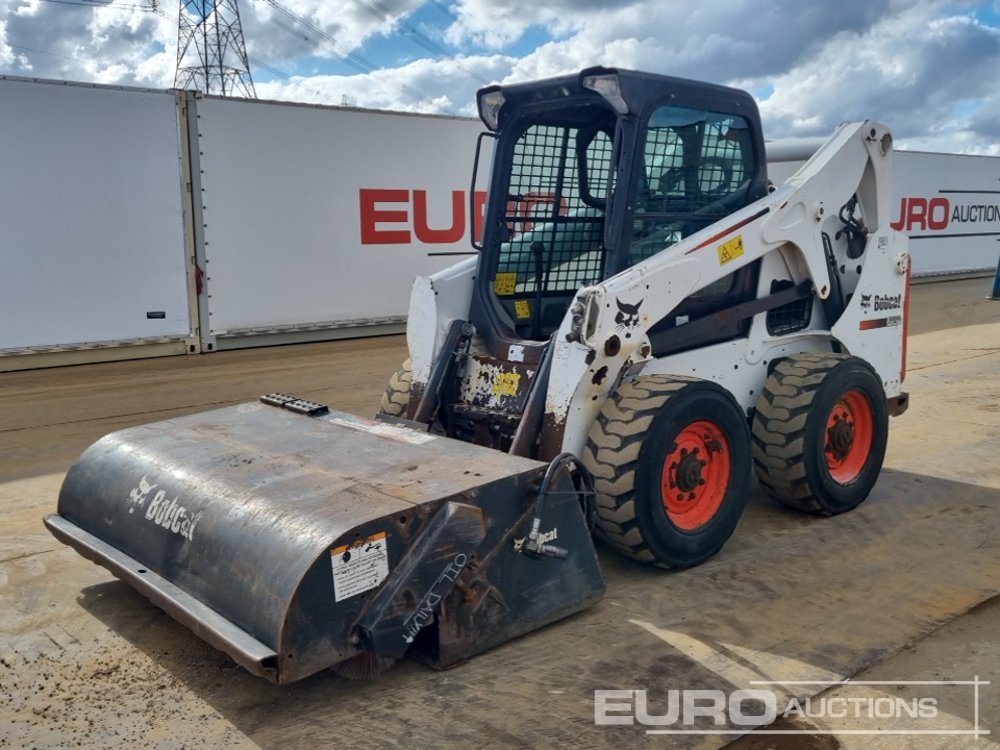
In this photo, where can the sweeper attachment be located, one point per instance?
(296, 543)
(647, 322)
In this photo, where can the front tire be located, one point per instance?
(396, 399)
(671, 463)
(820, 432)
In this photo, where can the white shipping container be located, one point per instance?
(92, 250)
(308, 222)
(318, 218)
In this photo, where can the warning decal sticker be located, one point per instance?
(730, 250)
(505, 283)
(383, 429)
(359, 567)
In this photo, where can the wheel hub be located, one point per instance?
(696, 474)
(688, 471)
(841, 436)
(849, 436)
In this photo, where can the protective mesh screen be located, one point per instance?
(554, 236)
(721, 171)
(791, 317)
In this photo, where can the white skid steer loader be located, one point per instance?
(643, 302)
(646, 320)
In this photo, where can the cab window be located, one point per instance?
(697, 167)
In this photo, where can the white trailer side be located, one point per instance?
(306, 222)
(949, 204)
(91, 210)
(316, 219)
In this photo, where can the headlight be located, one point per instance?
(609, 87)
(490, 103)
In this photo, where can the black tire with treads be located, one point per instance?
(626, 449)
(791, 433)
(396, 399)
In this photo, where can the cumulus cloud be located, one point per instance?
(109, 44)
(434, 87)
(923, 74)
(922, 66)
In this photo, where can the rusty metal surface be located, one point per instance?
(241, 509)
(496, 383)
(208, 624)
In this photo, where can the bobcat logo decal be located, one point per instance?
(627, 317)
(137, 497)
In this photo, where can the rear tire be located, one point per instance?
(820, 432)
(396, 399)
(671, 463)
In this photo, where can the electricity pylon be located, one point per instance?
(211, 54)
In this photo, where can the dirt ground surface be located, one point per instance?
(902, 589)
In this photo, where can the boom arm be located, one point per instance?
(606, 335)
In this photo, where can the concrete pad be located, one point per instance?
(85, 661)
(791, 598)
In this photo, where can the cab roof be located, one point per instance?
(637, 91)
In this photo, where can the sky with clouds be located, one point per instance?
(928, 68)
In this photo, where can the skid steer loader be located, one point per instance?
(646, 323)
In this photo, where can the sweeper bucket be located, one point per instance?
(295, 539)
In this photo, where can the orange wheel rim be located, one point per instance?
(850, 431)
(696, 474)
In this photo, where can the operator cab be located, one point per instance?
(596, 172)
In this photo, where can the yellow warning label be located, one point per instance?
(506, 384)
(523, 308)
(731, 250)
(505, 283)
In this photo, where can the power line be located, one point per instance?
(110, 5)
(211, 54)
(351, 57)
(379, 9)
(269, 68)
(454, 17)
(45, 52)
(113, 6)
(472, 32)
(289, 29)
(258, 63)
(285, 76)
